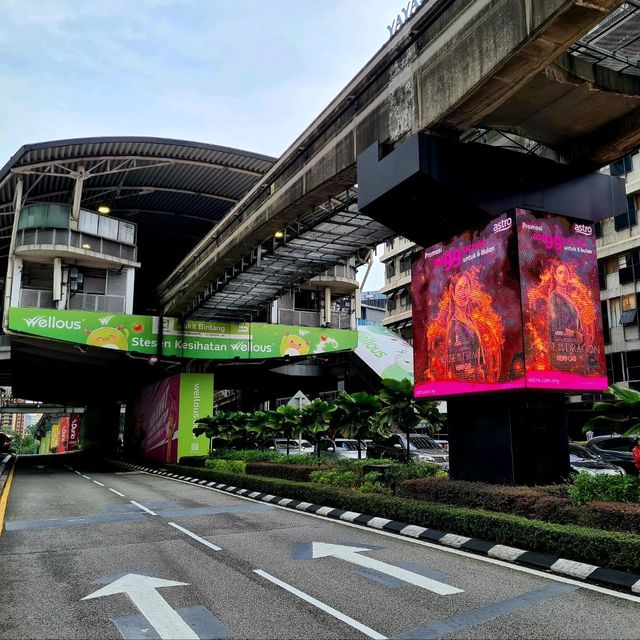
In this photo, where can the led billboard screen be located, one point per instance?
(512, 305)
(563, 341)
(467, 324)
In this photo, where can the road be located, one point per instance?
(102, 552)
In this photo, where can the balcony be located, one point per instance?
(44, 231)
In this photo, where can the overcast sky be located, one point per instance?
(248, 74)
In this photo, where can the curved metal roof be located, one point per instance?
(174, 190)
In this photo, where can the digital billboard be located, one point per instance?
(513, 305)
(467, 324)
(564, 347)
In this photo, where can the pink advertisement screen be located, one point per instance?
(513, 305)
(564, 347)
(467, 322)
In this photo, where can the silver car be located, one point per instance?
(295, 446)
(341, 448)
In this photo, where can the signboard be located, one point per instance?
(167, 413)
(198, 339)
(63, 441)
(563, 342)
(512, 305)
(74, 431)
(385, 352)
(55, 436)
(299, 400)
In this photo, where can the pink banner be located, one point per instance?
(74, 431)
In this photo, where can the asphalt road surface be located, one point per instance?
(105, 553)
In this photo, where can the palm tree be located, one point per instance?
(213, 426)
(285, 420)
(353, 415)
(401, 410)
(315, 420)
(622, 415)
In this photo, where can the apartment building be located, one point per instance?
(396, 258)
(618, 243)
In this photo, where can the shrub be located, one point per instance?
(247, 455)
(343, 478)
(613, 516)
(605, 488)
(371, 483)
(193, 461)
(398, 473)
(227, 466)
(298, 472)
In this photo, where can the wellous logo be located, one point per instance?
(49, 322)
(583, 229)
(503, 225)
(104, 321)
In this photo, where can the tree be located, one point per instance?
(400, 410)
(285, 420)
(622, 415)
(215, 427)
(315, 420)
(353, 415)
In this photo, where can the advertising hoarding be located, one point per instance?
(63, 441)
(385, 352)
(513, 305)
(166, 414)
(467, 323)
(197, 339)
(74, 431)
(564, 346)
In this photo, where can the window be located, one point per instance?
(614, 311)
(628, 317)
(605, 322)
(628, 302)
(602, 276)
(627, 219)
(598, 228)
(390, 269)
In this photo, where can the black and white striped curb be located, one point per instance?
(569, 568)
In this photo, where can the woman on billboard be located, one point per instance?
(466, 335)
(562, 320)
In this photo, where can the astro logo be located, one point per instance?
(503, 225)
(49, 322)
(584, 229)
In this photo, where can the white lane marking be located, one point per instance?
(352, 555)
(87, 477)
(206, 543)
(98, 483)
(117, 492)
(368, 631)
(143, 593)
(141, 506)
(451, 550)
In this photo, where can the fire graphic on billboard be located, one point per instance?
(467, 321)
(561, 303)
(509, 306)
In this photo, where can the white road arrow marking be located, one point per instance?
(142, 591)
(352, 554)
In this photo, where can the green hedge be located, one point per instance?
(297, 472)
(602, 548)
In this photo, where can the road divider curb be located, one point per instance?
(552, 564)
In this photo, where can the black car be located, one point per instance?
(616, 449)
(421, 448)
(583, 460)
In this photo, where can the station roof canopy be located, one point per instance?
(174, 190)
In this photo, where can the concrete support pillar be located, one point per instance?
(327, 306)
(100, 427)
(9, 284)
(356, 301)
(77, 198)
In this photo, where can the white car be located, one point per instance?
(341, 448)
(296, 447)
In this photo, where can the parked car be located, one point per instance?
(295, 446)
(615, 449)
(421, 448)
(340, 448)
(581, 459)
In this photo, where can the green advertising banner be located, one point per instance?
(196, 401)
(199, 339)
